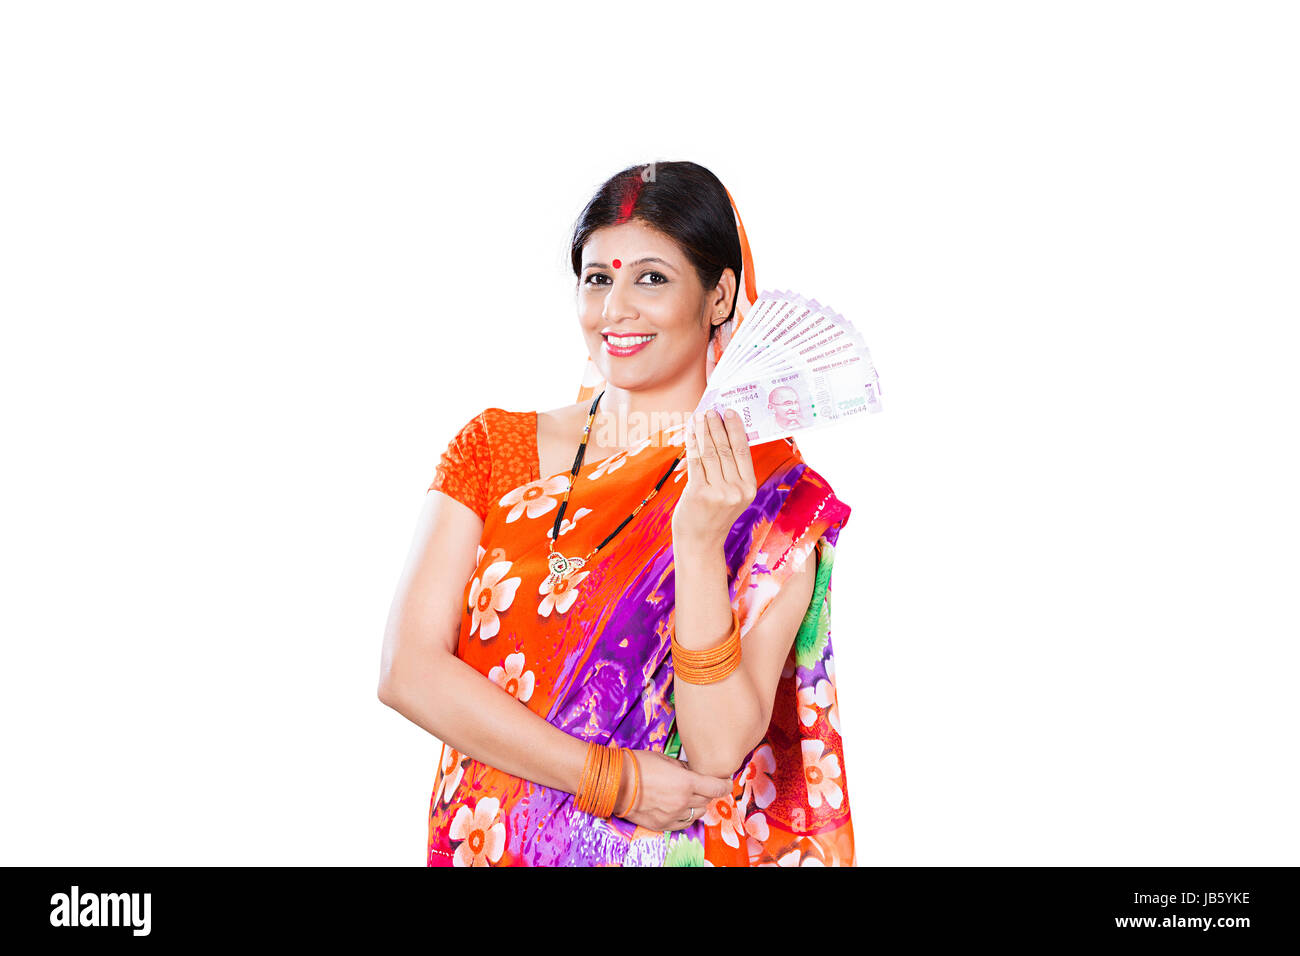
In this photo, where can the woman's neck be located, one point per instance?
(627, 416)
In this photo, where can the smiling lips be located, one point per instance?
(626, 344)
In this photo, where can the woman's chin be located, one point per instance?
(617, 373)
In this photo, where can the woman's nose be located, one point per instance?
(618, 303)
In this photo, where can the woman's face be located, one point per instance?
(654, 291)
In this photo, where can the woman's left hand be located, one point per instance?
(719, 480)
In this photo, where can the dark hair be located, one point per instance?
(684, 201)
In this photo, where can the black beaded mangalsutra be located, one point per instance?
(560, 566)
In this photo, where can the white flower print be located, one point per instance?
(490, 596)
(566, 524)
(820, 770)
(482, 831)
(758, 776)
(535, 498)
(616, 461)
(806, 700)
(453, 769)
(827, 696)
(561, 595)
(793, 859)
(756, 829)
(512, 678)
(724, 812)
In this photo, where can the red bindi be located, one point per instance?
(617, 263)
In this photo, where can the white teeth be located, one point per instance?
(627, 341)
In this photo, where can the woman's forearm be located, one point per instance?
(464, 709)
(714, 721)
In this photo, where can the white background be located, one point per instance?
(259, 262)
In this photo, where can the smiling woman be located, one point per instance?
(655, 300)
(599, 589)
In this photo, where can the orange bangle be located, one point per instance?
(602, 769)
(601, 782)
(601, 776)
(636, 783)
(711, 664)
(614, 776)
(591, 777)
(710, 655)
(583, 801)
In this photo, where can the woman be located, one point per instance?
(570, 618)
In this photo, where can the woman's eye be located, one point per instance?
(599, 278)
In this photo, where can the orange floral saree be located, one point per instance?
(593, 657)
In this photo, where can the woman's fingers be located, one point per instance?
(710, 788)
(708, 453)
(703, 789)
(698, 802)
(740, 447)
(680, 820)
(722, 444)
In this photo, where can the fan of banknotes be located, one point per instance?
(794, 365)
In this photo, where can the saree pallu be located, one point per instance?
(593, 657)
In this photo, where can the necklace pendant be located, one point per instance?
(561, 567)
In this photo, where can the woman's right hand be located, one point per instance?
(669, 791)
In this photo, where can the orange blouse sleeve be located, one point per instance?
(464, 471)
